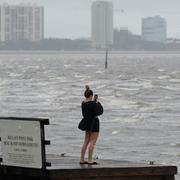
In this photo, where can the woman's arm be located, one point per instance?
(99, 109)
(82, 108)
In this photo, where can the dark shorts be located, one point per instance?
(90, 125)
(95, 126)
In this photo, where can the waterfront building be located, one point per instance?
(154, 29)
(21, 22)
(126, 40)
(102, 24)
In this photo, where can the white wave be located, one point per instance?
(175, 80)
(96, 83)
(115, 132)
(60, 79)
(118, 94)
(129, 89)
(163, 77)
(129, 119)
(81, 76)
(67, 66)
(100, 87)
(119, 76)
(89, 65)
(12, 74)
(138, 117)
(175, 144)
(161, 70)
(171, 88)
(99, 72)
(122, 103)
(144, 109)
(167, 97)
(174, 72)
(148, 84)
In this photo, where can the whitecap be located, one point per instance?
(163, 77)
(115, 132)
(161, 70)
(123, 103)
(100, 87)
(171, 88)
(175, 144)
(145, 109)
(117, 94)
(147, 84)
(175, 80)
(12, 74)
(89, 65)
(130, 119)
(61, 79)
(167, 97)
(120, 76)
(129, 89)
(174, 72)
(99, 72)
(67, 66)
(118, 119)
(77, 75)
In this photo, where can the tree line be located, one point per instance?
(129, 42)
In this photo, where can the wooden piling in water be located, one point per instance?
(106, 59)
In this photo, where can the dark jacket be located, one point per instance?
(90, 111)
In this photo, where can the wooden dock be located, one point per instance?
(68, 168)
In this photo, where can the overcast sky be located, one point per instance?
(72, 18)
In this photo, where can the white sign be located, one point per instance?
(21, 143)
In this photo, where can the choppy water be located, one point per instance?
(140, 94)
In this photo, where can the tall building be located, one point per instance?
(102, 24)
(20, 22)
(154, 29)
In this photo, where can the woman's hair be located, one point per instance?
(88, 92)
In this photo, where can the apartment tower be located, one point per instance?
(21, 22)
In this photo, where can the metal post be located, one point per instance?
(106, 59)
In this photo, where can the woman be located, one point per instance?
(91, 108)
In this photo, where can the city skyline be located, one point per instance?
(72, 19)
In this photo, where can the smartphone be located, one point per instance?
(95, 97)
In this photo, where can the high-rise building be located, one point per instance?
(154, 29)
(102, 24)
(21, 22)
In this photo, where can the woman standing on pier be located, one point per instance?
(91, 108)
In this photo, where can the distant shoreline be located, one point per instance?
(88, 52)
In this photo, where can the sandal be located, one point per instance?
(85, 162)
(93, 163)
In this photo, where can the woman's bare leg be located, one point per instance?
(92, 142)
(84, 146)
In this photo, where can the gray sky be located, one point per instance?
(72, 18)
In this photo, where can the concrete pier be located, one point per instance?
(68, 168)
